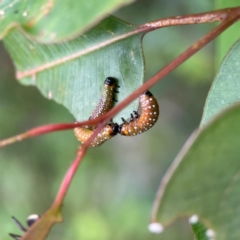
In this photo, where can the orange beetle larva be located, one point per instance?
(104, 105)
(141, 123)
(83, 134)
(106, 101)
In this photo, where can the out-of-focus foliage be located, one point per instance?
(74, 72)
(53, 21)
(228, 37)
(112, 194)
(225, 90)
(205, 179)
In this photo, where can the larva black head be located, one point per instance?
(148, 93)
(32, 219)
(114, 129)
(120, 128)
(110, 81)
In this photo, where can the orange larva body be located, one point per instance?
(104, 105)
(106, 101)
(83, 134)
(144, 121)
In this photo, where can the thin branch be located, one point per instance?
(41, 228)
(214, 16)
(69, 176)
(47, 129)
(73, 168)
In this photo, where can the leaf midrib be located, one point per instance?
(35, 70)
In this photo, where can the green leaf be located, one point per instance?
(72, 73)
(204, 179)
(228, 37)
(225, 89)
(52, 21)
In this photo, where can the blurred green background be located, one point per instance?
(113, 191)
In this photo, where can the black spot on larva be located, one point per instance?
(83, 134)
(148, 93)
(110, 81)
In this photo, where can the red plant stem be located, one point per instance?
(214, 16)
(69, 176)
(40, 229)
(45, 129)
(73, 168)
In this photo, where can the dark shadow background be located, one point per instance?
(113, 191)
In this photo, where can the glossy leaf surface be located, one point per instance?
(73, 73)
(53, 21)
(225, 89)
(228, 37)
(204, 179)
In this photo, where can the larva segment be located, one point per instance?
(105, 104)
(107, 97)
(148, 117)
(109, 131)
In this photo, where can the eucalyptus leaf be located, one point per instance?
(229, 36)
(72, 73)
(53, 21)
(225, 89)
(204, 179)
